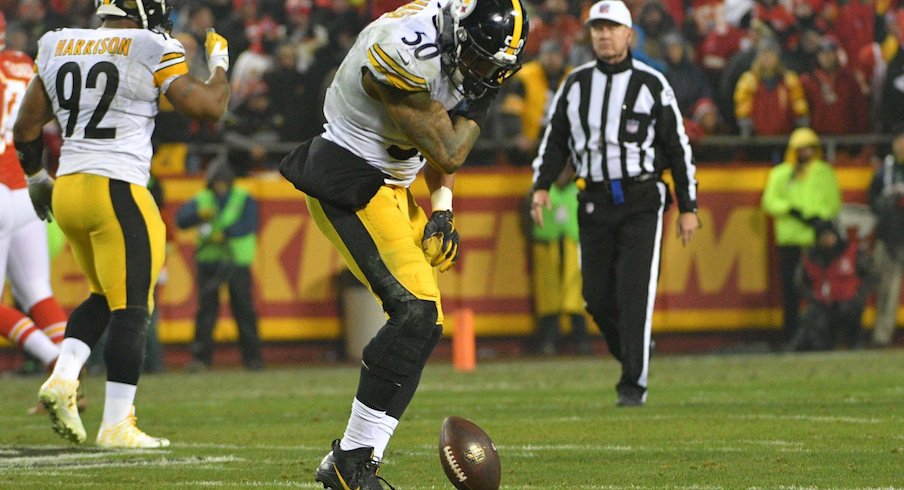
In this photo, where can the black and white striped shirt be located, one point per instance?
(617, 121)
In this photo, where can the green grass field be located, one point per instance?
(815, 421)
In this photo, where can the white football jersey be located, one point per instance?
(399, 49)
(104, 85)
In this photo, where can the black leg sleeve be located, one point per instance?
(89, 320)
(124, 352)
(405, 393)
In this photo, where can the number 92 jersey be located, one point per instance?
(400, 50)
(104, 85)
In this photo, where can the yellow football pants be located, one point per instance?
(557, 278)
(381, 244)
(116, 234)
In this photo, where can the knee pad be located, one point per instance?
(89, 320)
(126, 339)
(402, 346)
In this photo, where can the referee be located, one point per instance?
(618, 120)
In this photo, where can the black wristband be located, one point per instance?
(31, 154)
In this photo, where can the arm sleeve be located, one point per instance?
(831, 194)
(743, 95)
(774, 202)
(246, 222)
(796, 92)
(553, 152)
(172, 64)
(672, 140)
(187, 215)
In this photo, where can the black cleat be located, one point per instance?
(350, 470)
(629, 401)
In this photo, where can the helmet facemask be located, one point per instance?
(482, 70)
(477, 65)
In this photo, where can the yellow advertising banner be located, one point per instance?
(724, 280)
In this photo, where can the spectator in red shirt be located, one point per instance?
(769, 99)
(837, 105)
(717, 40)
(854, 26)
(777, 17)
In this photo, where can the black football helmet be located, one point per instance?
(481, 43)
(150, 14)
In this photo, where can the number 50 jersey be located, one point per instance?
(104, 85)
(400, 49)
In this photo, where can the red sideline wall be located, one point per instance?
(724, 280)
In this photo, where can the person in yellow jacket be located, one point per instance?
(556, 271)
(799, 193)
(528, 98)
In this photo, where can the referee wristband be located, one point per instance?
(441, 199)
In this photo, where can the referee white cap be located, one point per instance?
(613, 10)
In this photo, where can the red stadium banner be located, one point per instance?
(724, 280)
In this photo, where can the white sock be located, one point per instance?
(363, 425)
(118, 405)
(39, 345)
(382, 434)
(73, 355)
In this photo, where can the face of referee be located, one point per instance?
(610, 40)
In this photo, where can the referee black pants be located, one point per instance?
(620, 266)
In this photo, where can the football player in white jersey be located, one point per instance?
(23, 237)
(102, 85)
(411, 94)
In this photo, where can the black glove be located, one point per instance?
(475, 109)
(794, 212)
(440, 242)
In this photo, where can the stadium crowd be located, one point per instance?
(739, 67)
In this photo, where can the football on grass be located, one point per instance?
(468, 455)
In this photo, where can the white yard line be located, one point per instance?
(267, 447)
(247, 484)
(811, 418)
(69, 462)
(28, 461)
